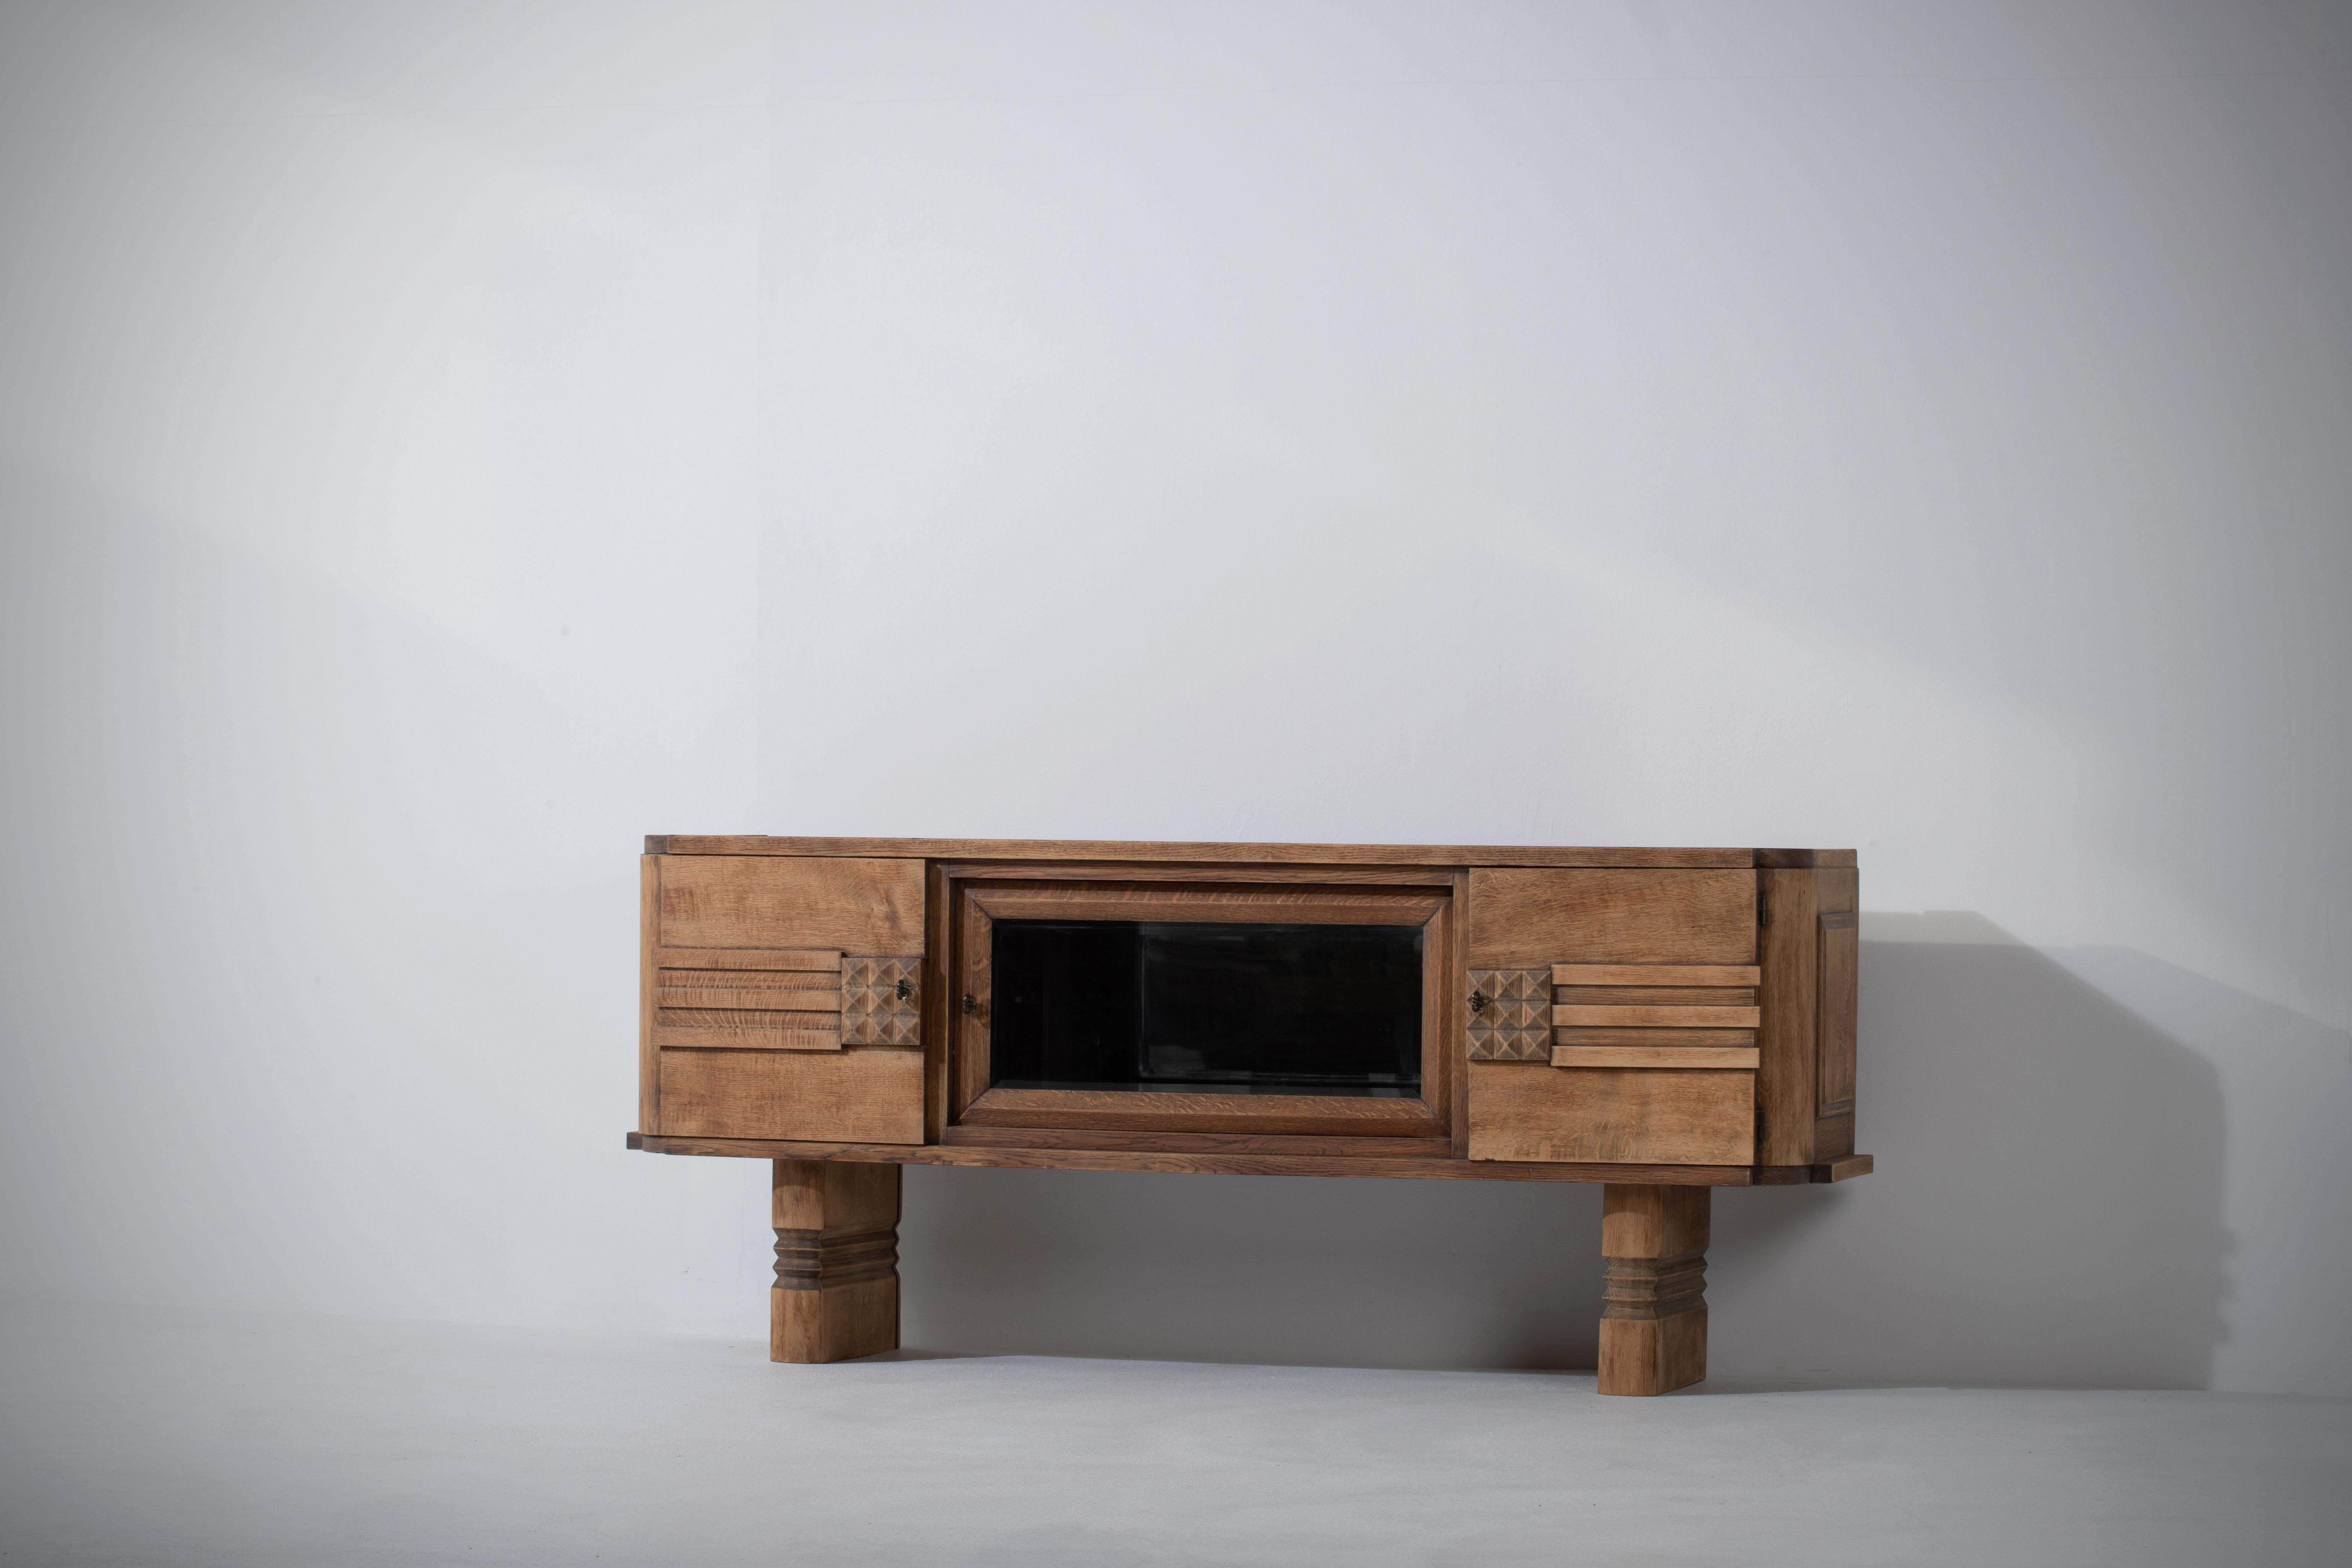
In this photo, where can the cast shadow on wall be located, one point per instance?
(2047, 1211)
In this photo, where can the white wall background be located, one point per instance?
(439, 444)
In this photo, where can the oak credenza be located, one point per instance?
(1661, 1021)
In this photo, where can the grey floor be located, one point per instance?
(151, 1436)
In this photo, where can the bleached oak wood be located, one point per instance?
(1612, 1115)
(1655, 1017)
(1653, 1288)
(1653, 1056)
(1081, 850)
(1520, 919)
(1413, 1166)
(873, 1095)
(1648, 974)
(835, 1295)
(1699, 1019)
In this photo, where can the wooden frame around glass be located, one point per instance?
(978, 905)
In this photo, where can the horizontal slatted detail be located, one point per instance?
(1655, 1017)
(747, 999)
(748, 1018)
(1654, 995)
(704, 1037)
(824, 959)
(770, 979)
(760, 998)
(1653, 1036)
(1717, 1057)
(1652, 975)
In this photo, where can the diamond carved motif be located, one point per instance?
(881, 1000)
(1510, 1015)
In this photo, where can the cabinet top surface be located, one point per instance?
(1247, 854)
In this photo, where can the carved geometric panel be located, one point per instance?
(1510, 1015)
(881, 1000)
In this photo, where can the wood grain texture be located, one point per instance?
(974, 988)
(1522, 919)
(987, 850)
(1654, 1287)
(1833, 1012)
(938, 950)
(1219, 873)
(1143, 1111)
(1441, 1013)
(1836, 998)
(833, 1197)
(1654, 995)
(744, 1032)
(1832, 1136)
(1409, 1167)
(1845, 1167)
(1654, 1017)
(1660, 1222)
(1785, 1076)
(1653, 1036)
(1648, 1357)
(1612, 1115)
(1805, 858)
(745, 989)
(865, 1096)
(689, 991)
(835, 1295)
(1706, 976)
(1683, 1057)
(749, 999)
(817, 966)
(1453, 1044)
(1255, 905)
(848, 905)
(648, 1054)
(1194, 1142)
(1654, 1242)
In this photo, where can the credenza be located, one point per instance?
(1662, 1022)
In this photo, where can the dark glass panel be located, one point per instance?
(1206, 1008)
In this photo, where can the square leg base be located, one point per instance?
(1652, 1355)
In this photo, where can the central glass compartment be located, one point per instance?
(1206, 1008)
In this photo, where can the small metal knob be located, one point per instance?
(905, 988)
(1477, 1001)
(971, 1005)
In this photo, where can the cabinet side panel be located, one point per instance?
(648, 1057)
(856, 906)
(1836, 996)
(1527, 1110)
(872, 1095)
(1785, 1035)
(1528, 919)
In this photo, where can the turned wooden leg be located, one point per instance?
(836, 1293)
(1653, 1288)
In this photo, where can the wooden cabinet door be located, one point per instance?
(783, 998)
(1612, 1017)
